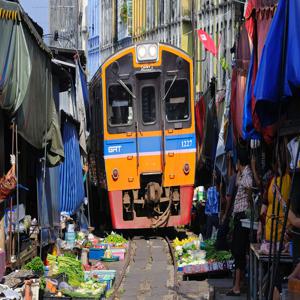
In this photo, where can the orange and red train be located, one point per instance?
(143, 134)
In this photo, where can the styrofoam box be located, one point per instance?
(246, 224)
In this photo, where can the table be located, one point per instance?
(257, 260)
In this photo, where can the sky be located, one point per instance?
(38, 11)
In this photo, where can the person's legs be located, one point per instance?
(237, 282)
(239, 249)
(216, 221)
(209, 227)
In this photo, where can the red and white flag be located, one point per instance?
(207, 42)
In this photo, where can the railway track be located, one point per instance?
(149, 272)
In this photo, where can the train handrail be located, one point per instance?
(164, 125)
(137, 144)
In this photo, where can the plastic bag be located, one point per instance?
(8, 184)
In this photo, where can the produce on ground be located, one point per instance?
(188, 240)
(213, 254)
(36, 265)
(70, 266)
(89, 289)
(187, 252)
(115, 238)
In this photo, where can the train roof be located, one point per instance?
(98, 72)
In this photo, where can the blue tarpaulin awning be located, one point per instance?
(272, 85)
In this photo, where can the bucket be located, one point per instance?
(70, 237)
(70, 227)
(200, 194)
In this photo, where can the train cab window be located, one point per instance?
(148, 104)
(177, 100)
(120, 105)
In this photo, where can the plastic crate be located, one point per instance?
(48, 296)
(105, 276)
(100, 274)
(96, 253)
(119, 252)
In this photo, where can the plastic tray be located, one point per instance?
(114, 258)
(96, 253)
(100, 273)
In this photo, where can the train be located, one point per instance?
(142, 135)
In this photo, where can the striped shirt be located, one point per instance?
(244, 182)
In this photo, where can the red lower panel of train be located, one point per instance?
(118, 222)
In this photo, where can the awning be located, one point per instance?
(258, 16)
(270, 78)
(26, 82)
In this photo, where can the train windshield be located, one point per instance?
(148, 104)
(177, 100)
(120, 105)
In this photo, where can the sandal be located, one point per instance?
(233, 294)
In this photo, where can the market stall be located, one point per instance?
(77, 268)
(195, 256)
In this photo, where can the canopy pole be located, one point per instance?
(283, 63)
(87, 195)
(18, 197)
(44, 161)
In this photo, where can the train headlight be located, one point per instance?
(153, 51)
(186, 168)
(115, 174)
(147, 52)
(141, 52)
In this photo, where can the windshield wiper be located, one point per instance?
(167, 92)
(122, 83)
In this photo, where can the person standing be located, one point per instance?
(222, 240)
(240, 238)
(212, 207)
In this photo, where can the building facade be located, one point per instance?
(219, 18)
(110, 28)
(68, 24)
(114, 24)
(168, 21)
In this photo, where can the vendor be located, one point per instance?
(240, 239)
(280, 173)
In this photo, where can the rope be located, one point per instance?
(163, 219)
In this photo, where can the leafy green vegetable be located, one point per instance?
(42, 283)
(69, 254)
(89, 289)
(115, 238)
(213, 254)
(72, 267)
(36, 265)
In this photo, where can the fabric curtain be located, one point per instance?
(210, 128)
(48, 203)
(224, 131)
(70, 172)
